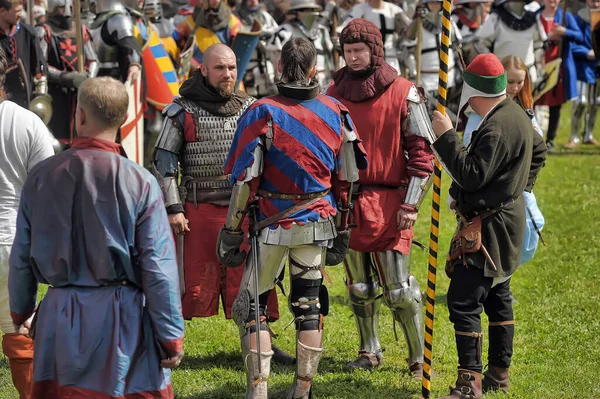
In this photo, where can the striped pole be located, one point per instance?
(435, 207)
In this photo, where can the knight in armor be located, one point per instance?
(514, 28)
(197, 132)
(153, 10)
(393, 117)
(212, 21)
(384, 15)
(294, 158)
(57, 41)
(431, 35)
(26, 76)
(119, 52)
(303, 22)
(469, 15)
(587, 64)
(259, 79)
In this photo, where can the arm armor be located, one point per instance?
(418, 121)
(350, 160)
(120, 30)
(240, 195)
(171, 135)
(53, 73)
(416, 191)
(401, 24)
(91, 57)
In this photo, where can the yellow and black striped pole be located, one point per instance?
(435, 207)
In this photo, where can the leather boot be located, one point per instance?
(281, 357)
(306, 367)
(495, 379)
(19, 351)
(468, 386)
(256, 382)
(366, 361)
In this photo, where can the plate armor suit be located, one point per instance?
(114, 40)
(304, 24)
(198, 141)
(58, 44)
(397, 136)
(264, 165)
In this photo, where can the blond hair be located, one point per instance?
(105, 100)
(525, 97)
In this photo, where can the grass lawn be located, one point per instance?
(557, 309)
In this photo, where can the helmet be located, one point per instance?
(304, 5)
(54, 4)
(109, 5)
(153, 9)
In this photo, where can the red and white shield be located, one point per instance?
(132, 131)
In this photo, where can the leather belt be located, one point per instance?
(484, 213)
(291, 197)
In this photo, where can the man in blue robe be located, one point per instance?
(91, 225)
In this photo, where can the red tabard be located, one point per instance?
(206, 280)
(378, 121)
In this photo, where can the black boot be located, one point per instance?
(280, 357)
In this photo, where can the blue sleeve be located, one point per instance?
(160, 280)
(22, 283)
(573, 32)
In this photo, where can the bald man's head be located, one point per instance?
(219, 67)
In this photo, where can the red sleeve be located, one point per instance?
(420, 156)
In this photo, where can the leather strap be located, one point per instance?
(285, 213)
(291, 197)
(501, 323)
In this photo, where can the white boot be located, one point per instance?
(256, 383)
(306, 367)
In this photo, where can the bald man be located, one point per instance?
(197, 132)
(111, 323)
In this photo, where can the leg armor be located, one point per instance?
(579, 108)
(402, 294)
(271, 261)
(590, 117)
(308, 302)
(362, 291)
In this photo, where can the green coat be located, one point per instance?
(492, 173)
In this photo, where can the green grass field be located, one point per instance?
(557, 354)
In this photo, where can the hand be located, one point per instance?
(559, 30)
(441, 123)
(133, 72)
(23, 329)
(228, 247)
(179, 223)
(421, 11)
(406, 218)
(591, 55)
(336, 254)
(171, 362)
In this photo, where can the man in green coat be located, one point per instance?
(488, 177)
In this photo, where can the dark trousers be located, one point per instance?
(553, 120)
(469, 294)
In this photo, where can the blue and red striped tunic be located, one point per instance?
(303, 155)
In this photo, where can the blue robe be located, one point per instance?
(89, 217)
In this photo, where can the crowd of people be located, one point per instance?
(278, 133)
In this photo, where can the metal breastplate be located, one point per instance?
(203, 160)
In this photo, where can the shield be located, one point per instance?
(161, 79)
(185, 62)
(595, 22)
(243, 46)
(132, 131)
(548, 80)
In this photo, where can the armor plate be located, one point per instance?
(205, 157)
(418, 119)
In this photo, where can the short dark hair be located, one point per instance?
(3, 68)
(9, 4)
(298, 56)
